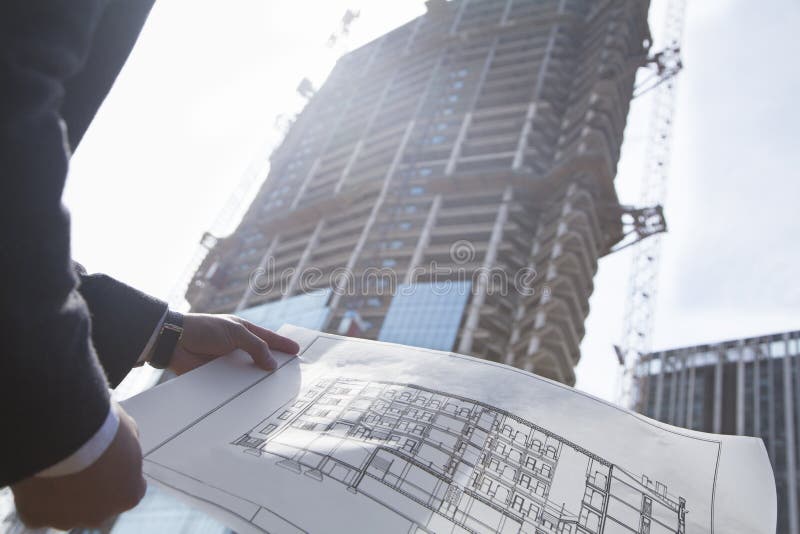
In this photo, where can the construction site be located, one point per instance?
(452, 184)
(474, 143)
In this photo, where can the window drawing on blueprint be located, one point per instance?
(474, 467)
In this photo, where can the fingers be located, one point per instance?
(275, 341)
(132, 492)
(112, 484)
(253, 345)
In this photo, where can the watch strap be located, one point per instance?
(168, 337)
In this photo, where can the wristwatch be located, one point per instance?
(168, 337)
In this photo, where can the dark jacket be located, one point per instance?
(65, 336)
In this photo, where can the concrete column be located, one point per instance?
(376, 207)
(262, 264)
(740, 392)
(479, 293)
(682, 392)
(519, 314)
(459, 14)
(359, 146)
(371, 59)
(335, 127)
(413, 36)
(351, 160)
(522, 143)
(506, 12)
(424, 238)
(548, 54)
(509, 357)
(795, 359)
(660, 389)
(770, 400)
(757, 392)
(672, 409)
(465, 124)
(304, 184)
(690, 398)
(788, 425)
(456, 152)
(717, 420)
(796, 362)
(373, 215)
(304, 257)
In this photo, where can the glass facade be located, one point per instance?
(426, 315)
(309, 310)
(746, 387)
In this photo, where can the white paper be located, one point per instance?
(362, 436)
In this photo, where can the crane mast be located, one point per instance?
(643, 282)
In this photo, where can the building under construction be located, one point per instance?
(476, 144)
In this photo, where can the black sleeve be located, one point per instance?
(123, 320)
(53, 393)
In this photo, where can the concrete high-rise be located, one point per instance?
(477, 143)
(745, 387)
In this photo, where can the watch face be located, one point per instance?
(167, 340)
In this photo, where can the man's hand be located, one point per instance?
(206, 337)
(111, 485)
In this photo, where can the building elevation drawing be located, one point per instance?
(356, 436)
(475, 467)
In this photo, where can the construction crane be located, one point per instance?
(643, 282)
(343, 32)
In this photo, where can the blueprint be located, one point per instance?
(362, 436)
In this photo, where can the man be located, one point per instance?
(70, 455)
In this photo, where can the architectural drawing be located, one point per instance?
(466, 465)
(354, 435)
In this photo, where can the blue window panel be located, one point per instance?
(309, 311)
(426, 315)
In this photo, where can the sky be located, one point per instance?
(194, 112)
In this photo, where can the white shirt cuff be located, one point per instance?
(145, 355)
(89, 451)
